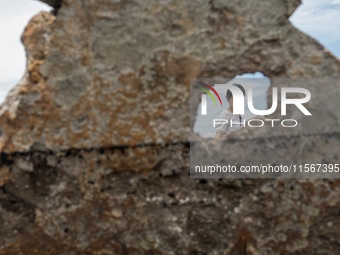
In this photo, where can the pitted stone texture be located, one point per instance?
(81, 204)
(77, 202)
(284, 217)
(108, 73)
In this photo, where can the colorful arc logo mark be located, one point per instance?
(206, 88)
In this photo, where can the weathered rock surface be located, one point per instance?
(95, 138)
(108, 73)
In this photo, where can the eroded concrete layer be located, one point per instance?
(79, 202)
(108, 73)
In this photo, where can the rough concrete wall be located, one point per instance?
(95, 145)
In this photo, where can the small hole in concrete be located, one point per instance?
(259, 84)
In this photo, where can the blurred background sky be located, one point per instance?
(318, 18)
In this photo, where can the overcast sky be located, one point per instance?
(318, 18)
(321, 20)
(14, 16)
